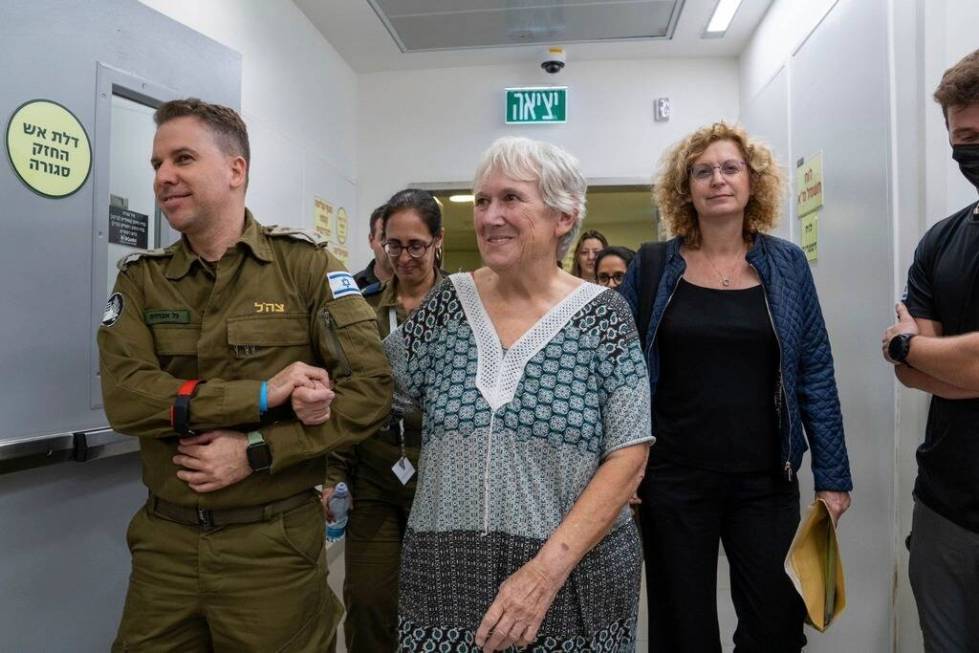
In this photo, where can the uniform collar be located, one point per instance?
(389, 292)
(253, 239)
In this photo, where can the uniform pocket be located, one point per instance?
(302, 529)
(171, 340)
(338, 318)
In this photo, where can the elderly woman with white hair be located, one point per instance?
(535, 403)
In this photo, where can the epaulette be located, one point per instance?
(135, 256)
(311, 237)
(372, 289)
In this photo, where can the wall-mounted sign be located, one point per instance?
(342, 224)
(536, 105)
(810, 236)
(809, 184)
(329, 222)
(128, 227)
(323, 218)
(48, 148)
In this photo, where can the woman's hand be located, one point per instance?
(837, 502)
(519, 608)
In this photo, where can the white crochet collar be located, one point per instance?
(497, 374)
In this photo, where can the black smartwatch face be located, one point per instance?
(259, 456)
(898, 347)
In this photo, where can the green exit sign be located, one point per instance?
(537, 105)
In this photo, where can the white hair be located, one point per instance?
(560, 182)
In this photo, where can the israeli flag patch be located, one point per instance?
(342, 284)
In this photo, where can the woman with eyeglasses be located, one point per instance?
(741, 376)
(381, 470)
(611, 264)
(589, 245)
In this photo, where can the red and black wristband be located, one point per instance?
(180, 410)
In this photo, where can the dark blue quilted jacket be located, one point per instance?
(809, 397)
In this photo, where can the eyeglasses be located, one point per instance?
(607, 279)
(415, 248)
(704, 172)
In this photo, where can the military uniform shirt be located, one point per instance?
(265, 304)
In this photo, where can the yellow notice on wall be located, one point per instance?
(809, 184)
(323, 218)
(48, 148)
(810, 236)
(343, 224)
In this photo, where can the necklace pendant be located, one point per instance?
(725, 282)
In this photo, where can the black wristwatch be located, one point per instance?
(258, 452)
(899, 347)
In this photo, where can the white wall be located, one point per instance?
(432, 125)
(299, 99)
(793, 93)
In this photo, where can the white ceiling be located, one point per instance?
(363, 40)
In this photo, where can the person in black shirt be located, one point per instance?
(739, 364)
(379, 269)
(934, 347)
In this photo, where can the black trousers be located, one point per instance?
(685, 512)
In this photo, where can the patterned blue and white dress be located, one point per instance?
(510, 439)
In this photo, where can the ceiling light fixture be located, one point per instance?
(461, 199)
(721, 19)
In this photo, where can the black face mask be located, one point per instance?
(967, 157)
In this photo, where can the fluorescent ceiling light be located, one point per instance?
(460, 199)
(723, 14)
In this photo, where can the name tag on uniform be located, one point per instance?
(166, 316)
(404, 470)
(342, 284)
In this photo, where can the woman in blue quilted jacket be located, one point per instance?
(741, 376)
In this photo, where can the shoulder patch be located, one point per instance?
(113, 309)
(342, 284)
(135, 256)
(372, 289)
(304, 235)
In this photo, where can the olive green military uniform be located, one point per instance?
(381, 505)
(268, 302)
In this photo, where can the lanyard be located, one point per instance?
(392, 319)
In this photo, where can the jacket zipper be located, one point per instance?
(781, 388)
(649, 345)
(343, 365)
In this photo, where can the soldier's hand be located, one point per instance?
(213, 460)
(296, 375)
(311, 403)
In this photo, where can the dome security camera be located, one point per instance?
(554, 60)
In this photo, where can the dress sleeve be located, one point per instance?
(624, 391)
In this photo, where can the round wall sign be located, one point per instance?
(48, 148)
(342, 225)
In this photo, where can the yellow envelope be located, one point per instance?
(814, 565)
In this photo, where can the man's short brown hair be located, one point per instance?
(960, 84)
(224, 123)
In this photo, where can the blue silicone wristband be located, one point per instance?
(263, 398)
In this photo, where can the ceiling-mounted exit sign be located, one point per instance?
(536, 105)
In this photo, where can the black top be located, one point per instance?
(943, 286)
(366, 276)
(715, 400)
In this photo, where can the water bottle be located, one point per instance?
(339, 506)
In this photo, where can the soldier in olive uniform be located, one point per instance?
(381, 470)
(240, 356)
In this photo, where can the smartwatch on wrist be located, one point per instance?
(899, 347)
(258, 452)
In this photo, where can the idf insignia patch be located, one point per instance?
(113, 310)
(342, 284)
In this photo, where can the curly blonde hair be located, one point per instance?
(671, 188)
